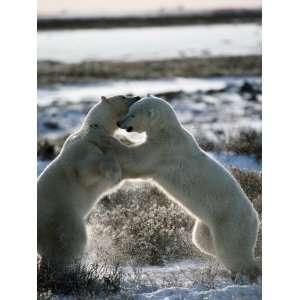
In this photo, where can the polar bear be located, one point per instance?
(70, 186)
(226, 221)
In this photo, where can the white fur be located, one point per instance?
(71, 185)
(226, 222)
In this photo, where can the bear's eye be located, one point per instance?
(132, 116)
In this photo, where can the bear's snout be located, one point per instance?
(122, 124)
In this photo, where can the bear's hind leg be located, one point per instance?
(202, 238)
(235, 248)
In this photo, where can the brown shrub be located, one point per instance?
(79, 280)
(246, 141)
(144, 225)
(48, 149)
(251, 183)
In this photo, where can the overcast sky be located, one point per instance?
(103, 7)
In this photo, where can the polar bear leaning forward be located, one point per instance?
(70, 186)
(226, 222)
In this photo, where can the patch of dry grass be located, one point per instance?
(144, 225)
(48, 149)
(251, 183)
(86, 282)
(92, 71)
(246, 141)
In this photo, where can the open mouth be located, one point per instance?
(129, 129)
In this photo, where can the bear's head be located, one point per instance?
(119, 105)
(106, 113)
(148, 115)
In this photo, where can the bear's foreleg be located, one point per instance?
(136, 161)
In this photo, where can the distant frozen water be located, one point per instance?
(148, 43)
(88, 92)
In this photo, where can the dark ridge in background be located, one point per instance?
(50, 72)
(213, 17)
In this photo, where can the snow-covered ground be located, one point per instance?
(87, 92)
(193, 279)
(149, 43)
(214, 102)
(241, 292)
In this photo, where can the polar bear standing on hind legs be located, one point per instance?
(226, 222)
(71, 185)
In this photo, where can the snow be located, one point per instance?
(224, 288)
(252, 292)
(241, 161)
(41, 165)
(188, 279)
(88, 92)
(142, 43)
(66, 105)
